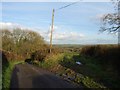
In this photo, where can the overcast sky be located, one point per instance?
(76, 24)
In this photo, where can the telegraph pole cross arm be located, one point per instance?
(52, 30)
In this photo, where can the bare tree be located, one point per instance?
(111, 21)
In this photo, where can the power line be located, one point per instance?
(53, 21)
(67, 5)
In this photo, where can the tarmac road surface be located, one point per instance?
(29, 76)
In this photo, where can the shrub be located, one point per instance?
(40, 54)
(103, 54)
(9, 56)
(44, 53)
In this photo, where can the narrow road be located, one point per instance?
(29, 76)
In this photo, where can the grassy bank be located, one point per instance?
(9, 59)
(99, 67)
(7, 72)
(0, 81)
(64, 65)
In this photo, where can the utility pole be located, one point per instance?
(53, 22)
(52, 30)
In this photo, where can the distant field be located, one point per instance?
(78, 45)
(76, 48)
(68, 45)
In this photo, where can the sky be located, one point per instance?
(76, 24)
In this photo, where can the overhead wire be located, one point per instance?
(67, 5)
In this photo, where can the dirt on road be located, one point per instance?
(29, 76)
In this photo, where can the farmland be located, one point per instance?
(98, 68)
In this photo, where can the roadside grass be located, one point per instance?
(64, 65)
(103, 62)
(50, 61)
(53, 60)
(7, 72)
(85, 74)
(0, 81)
(107, 76)
(93, 73)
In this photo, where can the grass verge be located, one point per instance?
(7, 72)
(0, 81)
(64, 65)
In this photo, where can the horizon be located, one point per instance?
(77, 24)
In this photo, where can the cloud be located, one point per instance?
(11, 26)
(6, 25)
(57, 35)
(62, 36)
(67, 36)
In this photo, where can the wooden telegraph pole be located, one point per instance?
(53, 22)
(52, 30)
